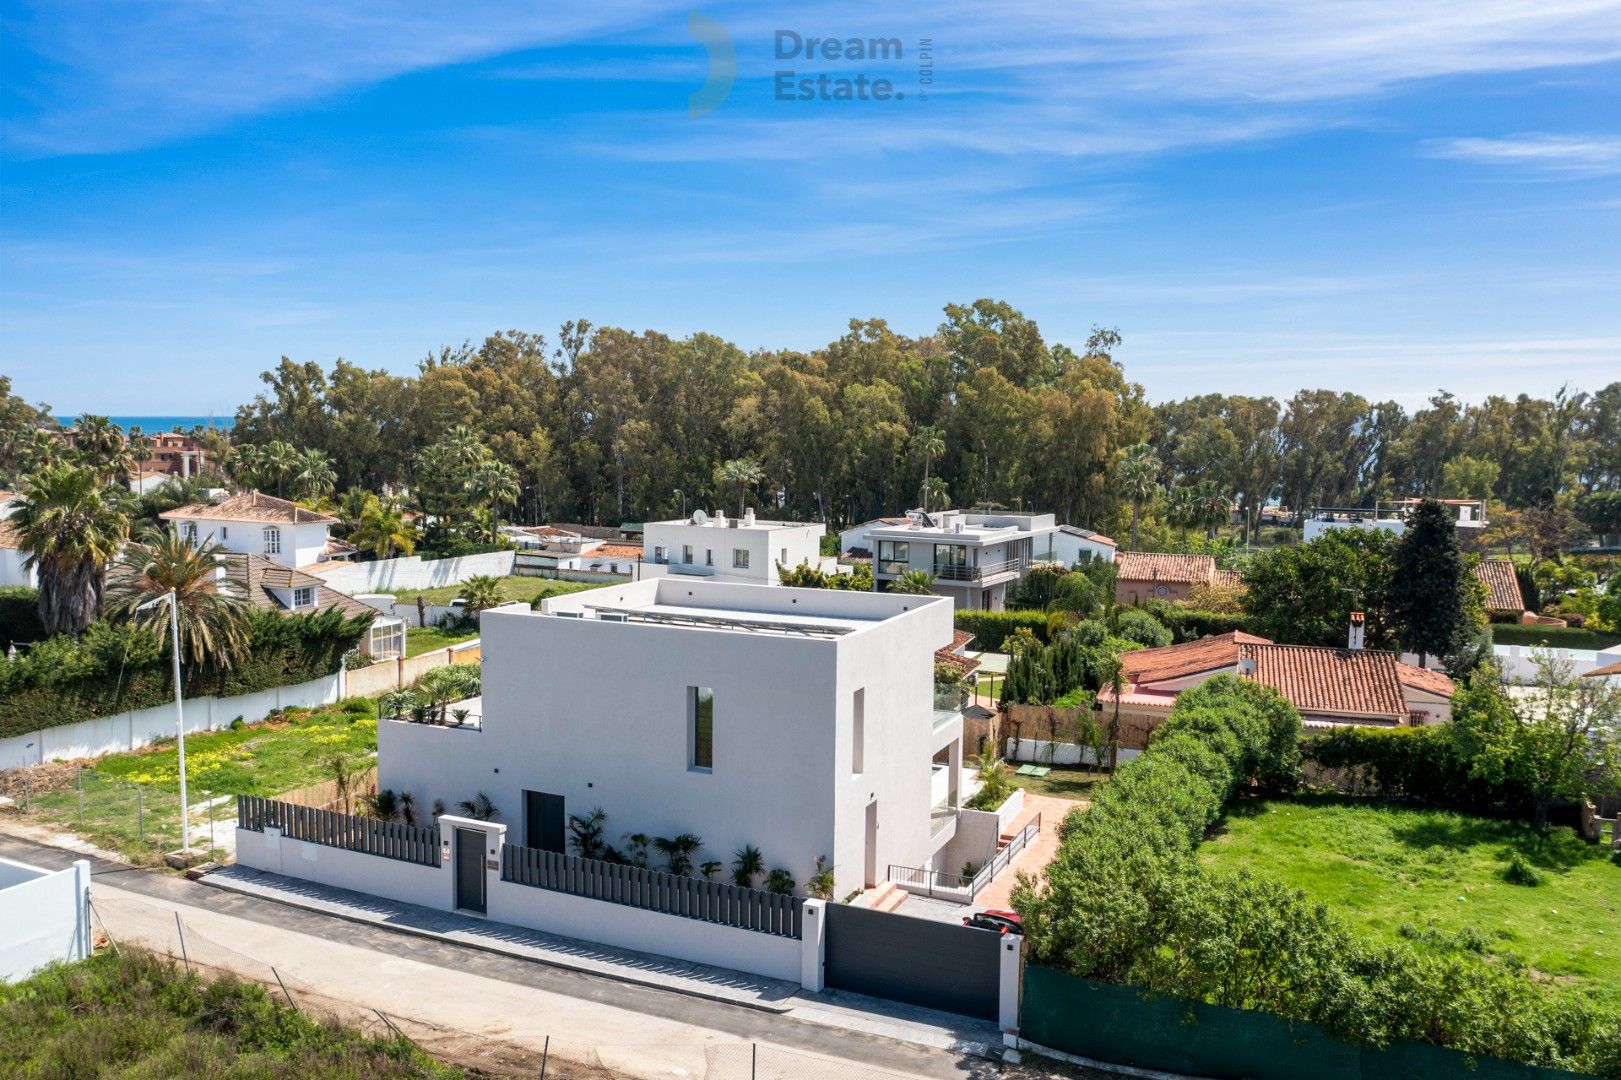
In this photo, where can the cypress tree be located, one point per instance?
(1429, 587)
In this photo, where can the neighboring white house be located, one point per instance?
(1071, 544)
(273, 587)
(550, 550)
(973, 557)
(254, 523)
(745, 550)
(800, 721)
(12, 558)
(1392, 517)
(44, 917)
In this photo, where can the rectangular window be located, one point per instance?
(191, 533)
(740, 558)
(272, 541)
(658, 554)
(225, 533)
(304, 596)
(784, 559)
(858, 733)
(700, 728)
(709, 556)
(686, 553)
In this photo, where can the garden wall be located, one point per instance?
(1064, 753)
(1519, 662)
(1124, 1026)
(400, 672)
(132, 730)
(46, 915)
(412, 572)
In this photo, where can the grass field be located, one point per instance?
(129, 803)
(1062, 782)
(429, 638)
(1435, 877)
(1552, 637)
(527, 589)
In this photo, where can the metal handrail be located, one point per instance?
(958, 886)
(955, 572)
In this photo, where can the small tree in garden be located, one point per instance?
(585, 833)
(820, 884)
(1430, 591)
(482, 592)
(678, 852)
(710, 867)
(742, 472)
(779, 881)
(917, 582)
(479, 807)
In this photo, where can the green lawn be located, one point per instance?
(1552, 637)
(1435, 877)
(129, 802)
(1062, 783)
(429, 638)
(513, 588)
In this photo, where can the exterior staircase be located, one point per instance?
(887, 896)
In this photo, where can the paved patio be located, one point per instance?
(1036, 855)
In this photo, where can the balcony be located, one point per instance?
(949, 703)
(956, 572)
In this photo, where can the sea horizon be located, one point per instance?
(152, 425)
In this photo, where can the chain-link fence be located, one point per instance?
(136, 820)
(551, 1056)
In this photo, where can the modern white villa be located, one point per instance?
(254, 523)
(799, 721)
(973, 557)
(1391, 516)
(745, 550)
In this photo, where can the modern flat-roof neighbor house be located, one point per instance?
(1391, 516)
(1157, 575)
(1071, 544)
(550, 549)
(746, 550)
(1330, 687)
(254, 523)
(799, 721)
(972, 556)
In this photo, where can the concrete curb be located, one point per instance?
(226, 885)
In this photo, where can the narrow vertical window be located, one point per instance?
(858, 733)
(700, 728)
(272, 541)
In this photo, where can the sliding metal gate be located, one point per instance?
(939, 965)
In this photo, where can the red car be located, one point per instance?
(1003, 922)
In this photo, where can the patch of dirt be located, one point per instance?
(38, 779)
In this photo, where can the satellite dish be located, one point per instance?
(699, 517)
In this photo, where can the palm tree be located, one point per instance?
(494, 484)
(382, 529)
(102, 448)
(743, 472)
(350, 507)
(1137, 475)
(747, 864)
(916, 582)
(482, 592)
(936, 494)
(70, 527)
(678, 852)
(929, 443)
(1215, 508)
(280, 464)
(214, 617)
(312, 474)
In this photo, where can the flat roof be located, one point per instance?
(706, 605)
(761, 524)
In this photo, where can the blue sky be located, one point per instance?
(1381, 197)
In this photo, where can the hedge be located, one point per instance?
(1554, 637)
(1126, 900)
(1191, 625)
(1411, 763)
(19, 616)
(991, 628)
(114, 668)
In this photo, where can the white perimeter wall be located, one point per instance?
(523, 905)
(11, 569)
(411, 572)
(44, 916)
(1064, 753)
(131, 730)
(1519, 662)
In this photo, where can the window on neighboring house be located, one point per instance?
(191, 533)
(686, 553)
(658, 554)
(740, 558)
(709, 556)
(700, 728)
(272, 541)
(858, 733)
(784, 559)
(304, 596)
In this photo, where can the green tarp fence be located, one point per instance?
(1123, 1025)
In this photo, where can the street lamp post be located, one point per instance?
(179, 715)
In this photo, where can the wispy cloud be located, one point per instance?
(1581, 155)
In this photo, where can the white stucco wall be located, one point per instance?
(411, 572)
(12, 571)
(301, 545)
(566, 713)
(131, 730)
(44, 917)
(713, 546)
(1062, 547)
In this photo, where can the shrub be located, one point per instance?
(1190, 623)
(1126, 900)
(19, 616)
(1520, 871)
(991, 627)
(1142, 628)
(1424, 764)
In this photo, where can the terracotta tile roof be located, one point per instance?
(339, 549)
(7, 496)
(1188, 658)
(1087, 534)
(595, 532)
(615, 551)
(1502, 585)
(256, 575)
(1164, 567)
(10, 538)
(1231, 579)
(250, 506)
(1607, 669)
(952, 654)
(1352, 682)
(1436, 682)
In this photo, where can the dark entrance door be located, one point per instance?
(938, 965)
(543, 820)
(470, 870)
